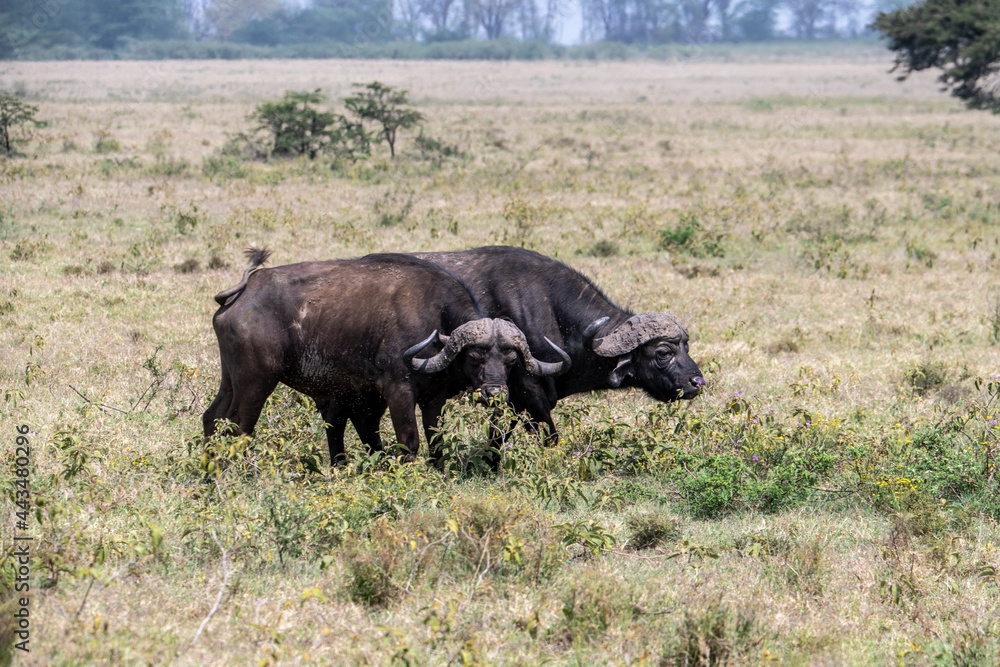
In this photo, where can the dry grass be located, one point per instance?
(858, 225)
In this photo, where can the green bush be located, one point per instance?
(714, 489)
(223, 168)
(689, 237)
(297, 127)
(945, 463)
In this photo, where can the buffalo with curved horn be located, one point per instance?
(609, 347)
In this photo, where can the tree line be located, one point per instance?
(112, 24)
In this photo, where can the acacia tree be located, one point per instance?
(959, 37)
(13, 113)
(385, 105)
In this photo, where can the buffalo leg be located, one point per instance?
(366, 415)
(530, 397)
(247, 405)
(430, 414)
(404, 420)
(364, 410)
(335, 417)
(220, 406)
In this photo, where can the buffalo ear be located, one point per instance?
(621, 371)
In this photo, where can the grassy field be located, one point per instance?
(829, 235)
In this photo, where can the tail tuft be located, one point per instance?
(257, 256)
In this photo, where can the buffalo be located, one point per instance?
(343, 332)
(609, 347)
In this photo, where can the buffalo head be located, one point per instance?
(491, 347)
(652, 352)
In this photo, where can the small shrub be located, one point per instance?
(919, 515)
(603, 248)
(435, 150)
(525, 218)
(104, 143)
(647, 530)
(244, 146)
(189, 265)
(590, 535)
(944, 464)
(679, 236)
(715, 489)
(27, 249)
(184, 221)
(169, 167)
(925, 378)
(223, 168)
(968, 647)
(689, 237)
(712, 636)
(393, 207)
(369, 584)
(762, 545)
(921, 254)
(588, 610)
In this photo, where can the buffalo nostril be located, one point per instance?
(493, 391)
(698, 381)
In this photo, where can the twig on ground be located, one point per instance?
(222, 590)
(100, 406)
(85, 596)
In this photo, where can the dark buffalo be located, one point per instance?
(343, 329)
(609, 347)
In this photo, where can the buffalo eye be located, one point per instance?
(476, 355)
(665, 352)
(509, 356)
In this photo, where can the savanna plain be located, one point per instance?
(829, 235)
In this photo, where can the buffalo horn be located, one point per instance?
(588, 333)
(476, 331)
(637, 330)
(415, 350)
(515, 338)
